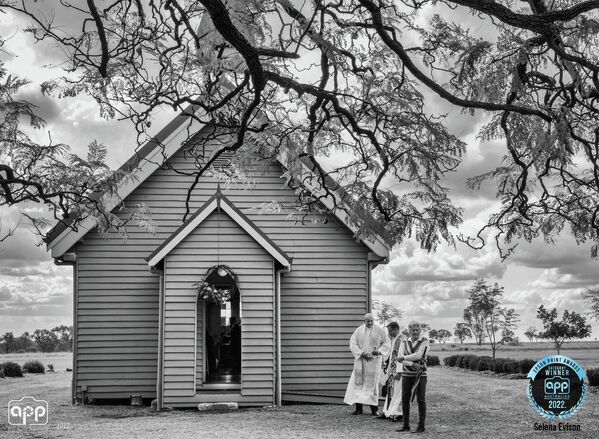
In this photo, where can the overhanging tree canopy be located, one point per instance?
(312, 78)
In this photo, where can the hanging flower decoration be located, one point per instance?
(212, 293)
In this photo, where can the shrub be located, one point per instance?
(2, 373)
(593, 376)
(11, 369)
(525, 365)
(465, 363)
(485, 363)
(468, 362)
(465, 349)
(511, 366)
(432, 360)
(50, 367)
(450, 360)
(499, 365)
(34, 367)
(506, 365)
(514, 342)
(503, 366)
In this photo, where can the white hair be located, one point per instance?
(414, 323)
(368, 315)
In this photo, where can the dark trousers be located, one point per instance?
(406, 394)
(373, 408)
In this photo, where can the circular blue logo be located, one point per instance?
(557, 387)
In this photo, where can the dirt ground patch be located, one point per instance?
(460, 405)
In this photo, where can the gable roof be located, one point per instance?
(163, 146)
(218, 201)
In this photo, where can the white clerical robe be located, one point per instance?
(363, 386)
(392, 406)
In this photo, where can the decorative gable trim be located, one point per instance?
(218, 202)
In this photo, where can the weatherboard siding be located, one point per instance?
(323, 298)
(117, 321)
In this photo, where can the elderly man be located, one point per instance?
(368, 344)
(413, 357)
(392, 406)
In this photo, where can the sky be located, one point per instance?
(428, 287)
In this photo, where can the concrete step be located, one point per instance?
(217, 406)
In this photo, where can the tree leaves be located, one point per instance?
(350, 79)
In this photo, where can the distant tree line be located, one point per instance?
(58, 339)
(488, 321)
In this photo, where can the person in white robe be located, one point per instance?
(369, 344)
(392, 406)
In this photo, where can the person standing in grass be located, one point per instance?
(392, 407)
(413, 358)
(368, 344)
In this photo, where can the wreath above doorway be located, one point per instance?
(211, 293)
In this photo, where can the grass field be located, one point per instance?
(586, 352)
(60, 360)
(461, 404)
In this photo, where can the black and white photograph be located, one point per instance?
(299, 219)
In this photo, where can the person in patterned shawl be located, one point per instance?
(392, 407)
(413, 357)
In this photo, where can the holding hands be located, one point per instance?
(366, 356)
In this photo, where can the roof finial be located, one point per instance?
(219, 195)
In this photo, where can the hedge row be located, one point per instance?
(593, 376)
(497, 365)
(12, 369)
(432, 360)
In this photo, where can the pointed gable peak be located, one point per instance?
(220, 203)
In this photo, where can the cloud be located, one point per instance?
(19, 254)
(409, 263)
(5, 293)
(44, 107)
(565, 264)
(431, 287)
(479, 158)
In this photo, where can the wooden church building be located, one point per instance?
(237, 304)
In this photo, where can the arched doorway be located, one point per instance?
(222, 325)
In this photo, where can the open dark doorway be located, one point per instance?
(223, 328)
